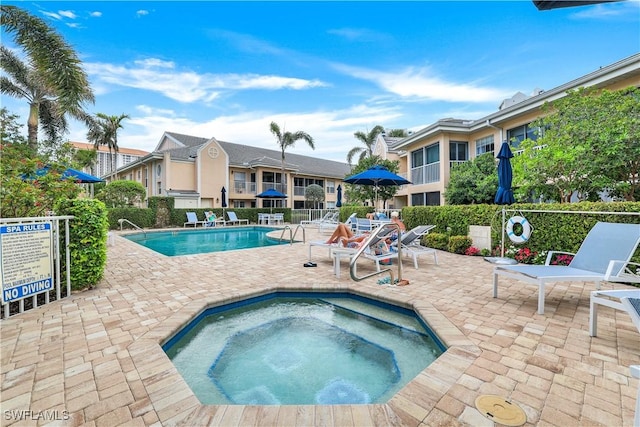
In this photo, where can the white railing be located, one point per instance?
(426, 174)
(32, 261)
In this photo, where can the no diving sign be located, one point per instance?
(26, 260)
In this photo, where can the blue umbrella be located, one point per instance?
(339, 197)
(377, 176)
(78, 176)
(224, 197)
(271, 193)
(504, 195)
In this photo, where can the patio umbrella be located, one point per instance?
(504, 195)
(271, 193)
(78, 176)
(224, 197)
(376, 176)
(339, 197)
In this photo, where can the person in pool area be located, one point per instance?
(343, 234)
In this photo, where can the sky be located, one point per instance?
(228, 69)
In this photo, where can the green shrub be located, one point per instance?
(459, 244)
(142, 217)
(436, 241)
(87, 240)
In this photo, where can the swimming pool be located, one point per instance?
(190, 242)
(302, 348)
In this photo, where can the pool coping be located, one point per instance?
(175, 403)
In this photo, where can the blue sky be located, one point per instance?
(227, 69)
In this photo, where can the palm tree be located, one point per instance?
(23, 81)
(288, 139)
(54, 62)
(368, 139)
(103, 130)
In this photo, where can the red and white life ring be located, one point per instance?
(526, 229)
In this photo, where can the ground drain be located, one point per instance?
(501, 411)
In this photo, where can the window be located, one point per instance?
(458, 152)
(425, 164)
(239, 182)
(431, 198)
(484, 145)
(238, 203)
(158, 170)
(518, 134)
(331, 187)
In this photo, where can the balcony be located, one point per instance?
(426, 174)
(242, 187)
(279, 187)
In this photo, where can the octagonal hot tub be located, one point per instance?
(302, 348)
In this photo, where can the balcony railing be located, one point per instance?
(426, 174)
(279, 187)
(241, 187)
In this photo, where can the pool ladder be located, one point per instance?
(293, 234)
(377, 234)
(123, 220)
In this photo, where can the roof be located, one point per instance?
(105, 149)
(248, 156)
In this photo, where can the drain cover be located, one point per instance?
(501, 411)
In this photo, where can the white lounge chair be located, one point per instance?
(233, 218)
(329, 216)
(603, 256)
(410, 244)
(192, 219)
(632, 306)
(612, 299)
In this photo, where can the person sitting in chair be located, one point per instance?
(343, 234)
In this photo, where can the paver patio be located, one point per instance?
(94, 358)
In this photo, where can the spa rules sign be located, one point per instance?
(26, 260)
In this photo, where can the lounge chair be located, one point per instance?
(233, 218)
(612, 299)
(192, 219)
(411, 246)
(211, 220)
(329, 216)
(603, 256)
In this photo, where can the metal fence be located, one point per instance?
(31, 262)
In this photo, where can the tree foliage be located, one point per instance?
(590, 143)
(473, 182)
(122, 194)
(314, 194)
(363, 193)
(289, 139)
(23, 191)
(369, 140)
(103, 130)
(53, 62)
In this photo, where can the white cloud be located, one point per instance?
(358, 34)
(67, 14)
(419, 83)
(332, 130)
(187, 86)
(142, 12)
(627, 10)
(96, 14)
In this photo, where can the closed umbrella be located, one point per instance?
(377, 176)
(271, 193)
(339, 197)
(224, 197)
(504, 195)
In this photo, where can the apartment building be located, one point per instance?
(196, 171)
(428, 155)
(105, 160)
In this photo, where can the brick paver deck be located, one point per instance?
(94, 358)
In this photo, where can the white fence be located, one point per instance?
(30, 262)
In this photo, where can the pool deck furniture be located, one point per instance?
(98, 356)
(233, 219)
(216, 220)
(604, 256)
(192, 219)
(411, 247)
(611, 299)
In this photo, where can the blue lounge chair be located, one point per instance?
(233, 218)
(192, 219)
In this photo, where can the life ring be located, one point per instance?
(526, 229)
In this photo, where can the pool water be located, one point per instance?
(189, 242)
(306, 349)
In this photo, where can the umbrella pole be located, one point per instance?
(502, 229)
